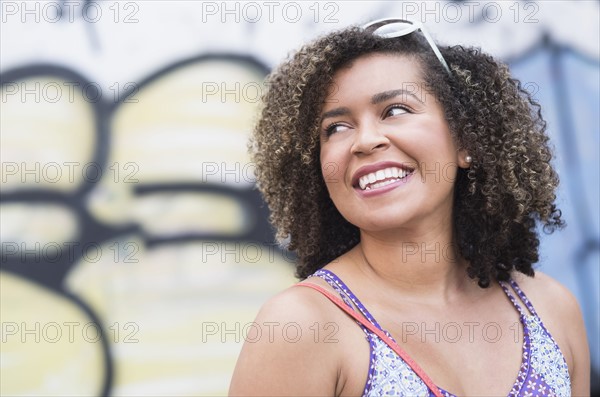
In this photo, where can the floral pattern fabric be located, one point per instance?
(543, 370)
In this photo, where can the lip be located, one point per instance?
(367, 169)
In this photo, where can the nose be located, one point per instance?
(369, 139)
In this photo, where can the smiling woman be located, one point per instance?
(386, 130)
(418, 177)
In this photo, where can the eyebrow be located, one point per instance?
(375, 99)
(386, 95)
(335, 113)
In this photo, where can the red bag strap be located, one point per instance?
(393, 345)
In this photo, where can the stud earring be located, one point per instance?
(469, 159)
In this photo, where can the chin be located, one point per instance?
(380, 222)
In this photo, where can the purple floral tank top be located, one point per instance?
(543, 369)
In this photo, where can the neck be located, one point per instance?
(420, 265)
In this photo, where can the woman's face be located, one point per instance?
(387, 155)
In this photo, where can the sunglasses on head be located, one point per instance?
(394, 27)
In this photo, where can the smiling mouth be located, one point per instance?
(383, 177)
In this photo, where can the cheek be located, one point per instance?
(331, 173)
(436, 143)
(441, 163)
(332, 167)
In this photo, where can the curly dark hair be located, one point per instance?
(509, 186)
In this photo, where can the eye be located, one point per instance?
(395, 110)
(333, 128)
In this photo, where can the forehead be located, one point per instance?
(375, 73)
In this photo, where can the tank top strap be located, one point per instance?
(520, 294)
(323, 274)
(512, 298)
(346, 294)
(523, 297)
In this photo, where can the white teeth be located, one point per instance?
(382, 184)
(381, 178)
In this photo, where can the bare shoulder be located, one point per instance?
(295, 304)
(548, 296)
(280, 355)
(559, 311)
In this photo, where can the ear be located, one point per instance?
(462, 159)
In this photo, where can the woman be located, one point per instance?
(409, 182)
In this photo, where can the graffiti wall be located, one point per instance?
(135, 248)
